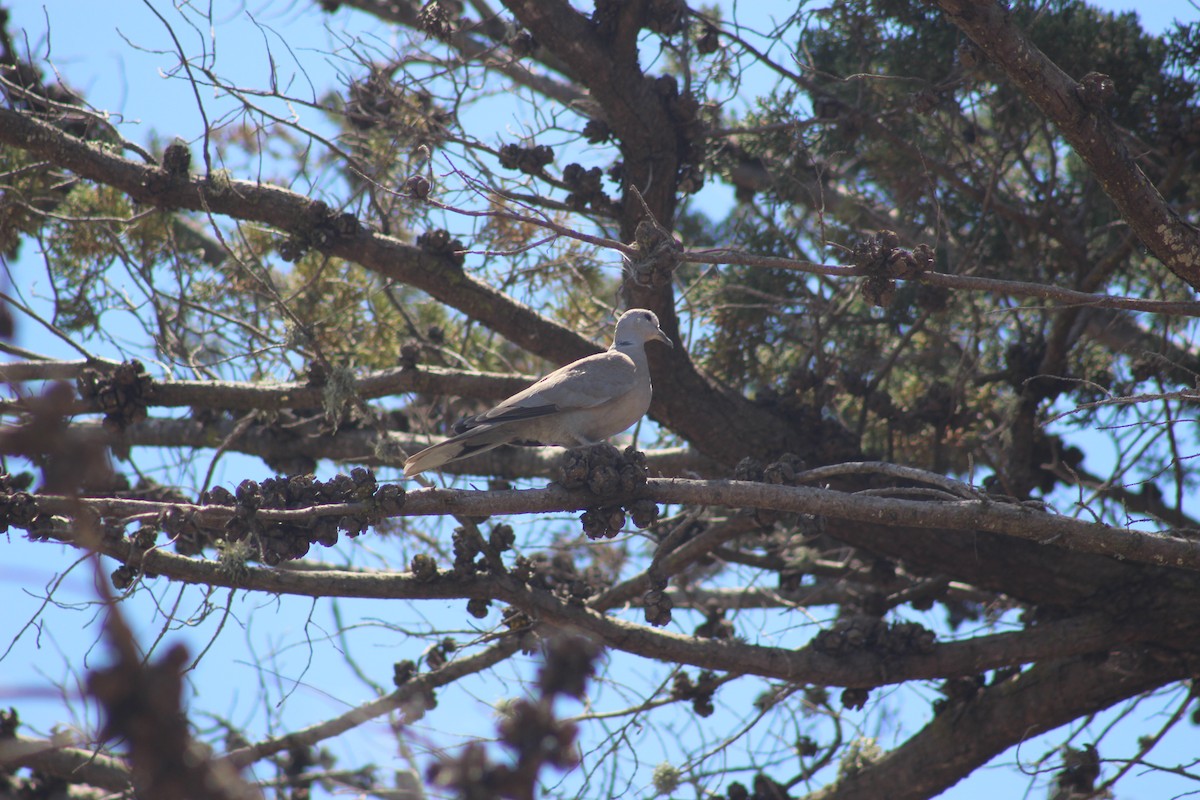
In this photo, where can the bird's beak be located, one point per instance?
(662, 337)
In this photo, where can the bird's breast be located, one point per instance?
(621, 413)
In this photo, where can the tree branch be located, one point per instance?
(311, 439)
(72, 764)
(865, 667)
(727, 424)
(1005, 714)
(297, 214)
(235, 396)
(1161, 549)
(412, 691)
(1088, 129)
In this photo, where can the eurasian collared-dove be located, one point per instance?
(582, 403)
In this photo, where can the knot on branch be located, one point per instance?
(558, 575)
(1096, 91)
(122, 394)
(699, 692)
(437, 655)
(403, 672)
(530, 160)
(603, 522)
(597, 131)
(140, 542)
(439, 242)
(863, 633)
(606, 471)
(285, 541)
(189, 538)
(666, 17)
(522, 44)
(177, 162)
(569, 662)
(424, 568)
(319, 229)
(468, 549)
(715, 626)
(417, 186)
(603, 469)
(17, 506)
(958, 690)
(408, 116)
(657, 255)
(439, 19)
(882, 260)
(584, 187)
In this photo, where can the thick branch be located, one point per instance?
(235, 396)
(849, 667)
(727, 425)
(1017, 522)
(71, 764)
(1039, 700)
(1086, 127)
(312, 440)
(992, 286)
(290, 212)
(639, 110)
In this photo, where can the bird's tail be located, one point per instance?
(466, 444)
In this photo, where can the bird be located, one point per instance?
(580, 404)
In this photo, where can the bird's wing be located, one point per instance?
(587, 383)
(596, 384)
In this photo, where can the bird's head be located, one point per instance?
(638, 326)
